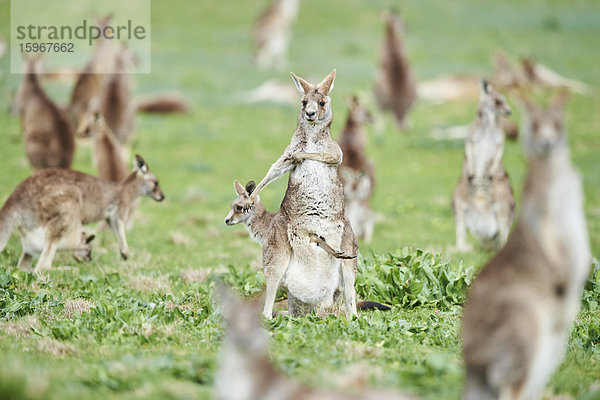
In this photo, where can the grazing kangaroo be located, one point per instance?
(313, 206)
(395, 87)
(106, 149)
(245, 370)
(48, 136)
(50, 207)
(356, 171)
(117, 103)
(521, 305)
(483, 200)
(272, 33)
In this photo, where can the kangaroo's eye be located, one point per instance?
(470, 178)
(498, 102)
(489, 177)
(322, 103)
(156, 185)
(304, 102)
(239, 208)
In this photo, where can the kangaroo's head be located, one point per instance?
(245, 334)
(394, 23)
(315, 105)
(84, 251)
(492, 102)
(544, 129)
(90, 125)
(241, 208)
(358, 112)
(148, 184)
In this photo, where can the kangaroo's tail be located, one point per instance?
(372, 305)
(163, 104)
(320, 241)
(7, 223)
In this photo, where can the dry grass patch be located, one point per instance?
(79, 305)
(144, 283)
(180, 238)
(22, 327)
(54, 347)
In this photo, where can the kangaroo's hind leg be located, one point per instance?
(276, 258)
(25, 262)
(348, 273)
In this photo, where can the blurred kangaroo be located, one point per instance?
(272, 33)
(48, 136)
(395, 87)
(522, 304)
(245, 370)
(106, 149)
(50, 207)
(313, 206)
(117, 104)
(356, 171)
(89, 83)
(483, 200)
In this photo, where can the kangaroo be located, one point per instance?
(47, 133)
(395, 87)
(483, 200)
(50, 207)
(313, 205)
(90, 81)
(272, 33)
(106, 149)
(167, 103)
(117, 103)
(521, 305)
(356, 171)
(245, 371)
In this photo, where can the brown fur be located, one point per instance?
(106, 149)
(53, 204)
(48, 136)
(521, 305)
(163, 104)
(395, 87)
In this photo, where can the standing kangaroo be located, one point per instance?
(272, 33)
(483, 200)
(50, 207)
(245, 370)
(313, 206)
(48, 136)
(356, 171)
(395, 87)
(106, 149)
(117, 103)
(521, 305)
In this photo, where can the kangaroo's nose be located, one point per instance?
(227, 221)
(310, 113)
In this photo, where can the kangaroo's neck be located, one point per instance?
(486, 120)
(128, 190)
(259, 223)
(312, 133)
(352, 143)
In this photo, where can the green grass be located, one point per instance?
(152, 331)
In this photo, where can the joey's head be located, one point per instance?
(148, 184)
(242, 208)
(84, 251)
(491, 102)
(315, 104)
(90, 125)
(544, 129)
(245, 334)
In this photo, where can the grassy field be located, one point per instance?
(147, 327)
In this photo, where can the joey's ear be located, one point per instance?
(326, 86)
(250, 186)
(140, 164)
(239, 189)
(302, 86)
(561, 98)
(90, 238)
(485, 86)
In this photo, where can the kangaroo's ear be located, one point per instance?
(140, 165)
(239, 189)
(90, 238)
(485, 86)
(561, 98)
(529, 105)
(250, 186)
(302, 86)
(326, 86)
